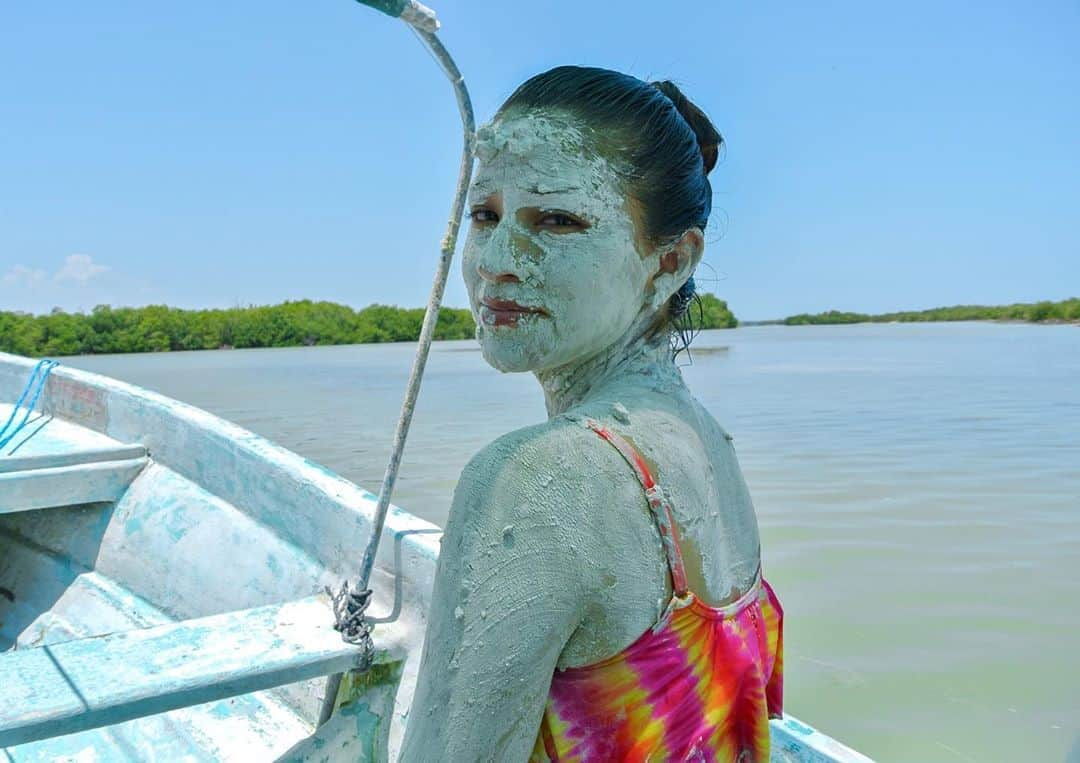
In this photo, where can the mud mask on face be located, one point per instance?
(582, 287)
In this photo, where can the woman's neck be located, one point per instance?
(631, 356)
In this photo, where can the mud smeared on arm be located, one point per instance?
(516, 575)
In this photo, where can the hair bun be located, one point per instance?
(708, 137)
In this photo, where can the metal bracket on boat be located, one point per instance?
(349, 621)
(399, 594)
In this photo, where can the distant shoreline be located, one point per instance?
(1047, 322)
(1066, 311)
(304, 323)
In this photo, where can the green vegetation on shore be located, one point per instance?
(1066, 311)
(715, 313)
(157, 328)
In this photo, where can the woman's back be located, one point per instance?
(694, 460)
(700, 683)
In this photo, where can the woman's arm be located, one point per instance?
(510, 590)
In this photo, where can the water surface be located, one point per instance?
(917, 486)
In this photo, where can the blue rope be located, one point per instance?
(36, 384)
(25, 392)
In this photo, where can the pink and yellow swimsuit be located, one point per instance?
(699, 685)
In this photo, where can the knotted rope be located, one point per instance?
(349, 621)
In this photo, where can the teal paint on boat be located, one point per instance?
(179, 617)
(798, 727)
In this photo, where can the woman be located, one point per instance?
(598, 594)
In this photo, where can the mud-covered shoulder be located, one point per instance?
(554, 482)
(520, 568)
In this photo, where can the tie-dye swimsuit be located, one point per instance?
(699, 685)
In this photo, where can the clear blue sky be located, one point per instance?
(880, 155)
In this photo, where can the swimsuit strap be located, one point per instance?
(658, 503)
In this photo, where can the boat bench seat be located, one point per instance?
(68, 477)
(72, 686)
(53, 462)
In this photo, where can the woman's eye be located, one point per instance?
(483, 215)
(558, 220)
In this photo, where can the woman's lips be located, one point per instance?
(505, 312)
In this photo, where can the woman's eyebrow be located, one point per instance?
(546, 191)
(479, 192)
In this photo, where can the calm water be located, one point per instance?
(918, 489)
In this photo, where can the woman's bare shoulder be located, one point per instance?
(558, 469)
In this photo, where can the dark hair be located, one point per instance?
(666, 143)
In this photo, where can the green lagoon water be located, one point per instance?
(917, 486)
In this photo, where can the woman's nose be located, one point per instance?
(487, 275)
(495, 262)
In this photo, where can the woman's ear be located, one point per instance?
(674, 264)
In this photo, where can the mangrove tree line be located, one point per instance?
(1065, 311)
(157, 328)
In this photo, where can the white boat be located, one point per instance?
(161, 573)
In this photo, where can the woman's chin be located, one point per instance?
(504, 359)
(504, 349)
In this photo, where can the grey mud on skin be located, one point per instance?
(550, 557)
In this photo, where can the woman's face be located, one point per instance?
(551, 261)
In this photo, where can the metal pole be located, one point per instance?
(431, 314)
(423, 23)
